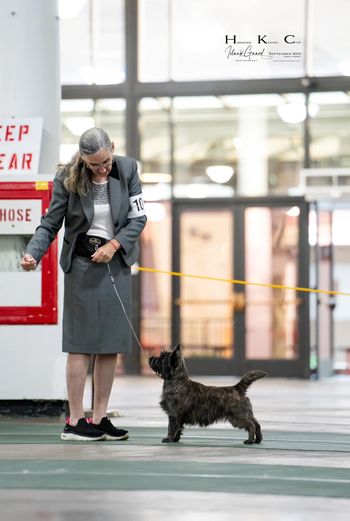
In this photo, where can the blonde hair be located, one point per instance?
(76, 174)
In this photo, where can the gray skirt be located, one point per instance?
(93, 319)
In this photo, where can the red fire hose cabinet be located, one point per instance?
(25, 297)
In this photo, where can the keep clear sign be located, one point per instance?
(20, 142)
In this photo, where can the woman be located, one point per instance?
(99, 197)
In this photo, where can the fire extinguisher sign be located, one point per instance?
(20, 142)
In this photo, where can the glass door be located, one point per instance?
(230, 328)
(204, 308)
(275, 319)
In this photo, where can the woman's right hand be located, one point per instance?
(28, 262)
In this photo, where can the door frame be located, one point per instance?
(198, 365)
(238, 364)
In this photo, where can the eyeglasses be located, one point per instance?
(107, 163)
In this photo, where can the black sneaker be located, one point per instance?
(82, 431)
(111, 432)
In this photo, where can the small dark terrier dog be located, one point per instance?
(192, 403)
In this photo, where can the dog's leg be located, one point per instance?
(172, 428)
(247, 424)
(178, 431)
(258, 435)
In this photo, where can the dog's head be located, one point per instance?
(169, 364)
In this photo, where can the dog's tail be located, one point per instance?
(248, 379)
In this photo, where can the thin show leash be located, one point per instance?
(124, 310)
(126, 316)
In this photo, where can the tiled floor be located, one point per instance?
(300, 472)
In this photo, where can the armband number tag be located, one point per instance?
(136, 206)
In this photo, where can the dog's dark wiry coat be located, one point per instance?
(191, 403)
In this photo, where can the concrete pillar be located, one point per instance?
(32, 365)
(29, 69)
(253, 153)
(253, 181)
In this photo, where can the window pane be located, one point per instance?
(188, 39)
(272, 236)
(154, 40)
(206, 306)
(330, 39)
(92, 41)
(79, 115)
(330, 131)
(214, 138)
(155, 131)
(110, 115)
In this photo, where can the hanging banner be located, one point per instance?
(20, 143)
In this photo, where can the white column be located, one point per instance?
(29, 69)
(32, 365)
(253, 181)
(252, 152)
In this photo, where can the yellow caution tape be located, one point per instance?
(244, 282)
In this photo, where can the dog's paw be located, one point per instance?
(258, 440)
(166, 440)
(248, 442)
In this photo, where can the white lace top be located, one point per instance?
(102, 224)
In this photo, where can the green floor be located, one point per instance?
(49, 433)
(187, 470)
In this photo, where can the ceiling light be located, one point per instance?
(292, 112)
(296, 112)
(219, 173)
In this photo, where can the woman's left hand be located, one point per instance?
(104, 253)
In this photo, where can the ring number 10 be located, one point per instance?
(139, 204)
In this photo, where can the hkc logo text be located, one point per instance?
(289, 38)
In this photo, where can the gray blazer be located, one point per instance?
(78, 211)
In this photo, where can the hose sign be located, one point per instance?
(19, 216)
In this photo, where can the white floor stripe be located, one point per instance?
(26, 472)
(190, 436)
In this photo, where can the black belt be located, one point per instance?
(85, 245)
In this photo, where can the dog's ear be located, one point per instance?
(177, 349)
(174, 359)
(175, 355)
